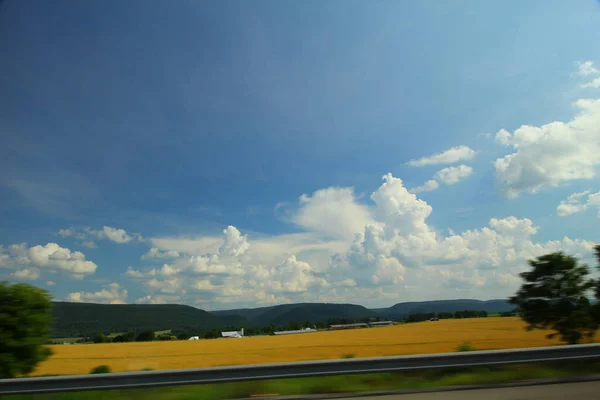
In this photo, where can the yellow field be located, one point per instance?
(417, 338)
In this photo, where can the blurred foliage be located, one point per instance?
(25, 326)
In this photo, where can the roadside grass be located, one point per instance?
(338, 384)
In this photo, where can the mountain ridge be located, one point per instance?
(86, 319)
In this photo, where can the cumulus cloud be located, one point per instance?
(333, 211)
(594, 83)
(395, 253)
(65, 232)
(50, 257)
(229, 274)
(552, 154)
(447, 176)
(53, 257)
(164, 299)
(156, 253)
(88, 235)
(26, 274)
(450, 156)
(50, 283)
(386, 251)
(116, 235)
(587, 69)
(428, 186)
(402, 250)
(235, 244)
(579, 202)
(113, 234)
(292, 276)
(452, 175)
(110, 294)
(133, 273)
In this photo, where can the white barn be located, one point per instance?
(305, 330)
(233, 334)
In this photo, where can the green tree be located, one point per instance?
(596, 307)
(100, 338)
(25, 326)
(554, 297)
(145, 336)
(597, 251)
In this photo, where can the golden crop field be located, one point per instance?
(417, 338)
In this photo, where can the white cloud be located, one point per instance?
(293, 276)
(396, 254)
(56, 258)
(452, 175)
(89, 244)
(65, 232)
(133, 273)
(156, 253)
(450, 156)
(164, 299)
(50, 283)
(26, 273)
(110, 294)
(447, 176)
(235, 244)
(579, 202)
(50, 257)
(551, 154)
(402, 250)
(116, 235)
(88, 235)
(594, 83)
(428, 186)
(333, 212)
(587, 68)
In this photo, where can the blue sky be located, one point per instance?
(168, 122)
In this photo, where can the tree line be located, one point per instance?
(184, 334)
(419, 317)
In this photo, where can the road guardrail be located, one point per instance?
(146, 379)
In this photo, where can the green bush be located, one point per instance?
(465, 347)
(101, 369)
(145, 336)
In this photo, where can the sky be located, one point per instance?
(242, 154)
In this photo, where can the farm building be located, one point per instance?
(306, 330)
(194, 338)
(381, 323)
(347, 326)
(233, 334)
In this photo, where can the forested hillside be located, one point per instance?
(439, 306)
(85, 319)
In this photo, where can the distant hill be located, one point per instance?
(301, 312)
(321, 312)
(86, 319)
(404, 309)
